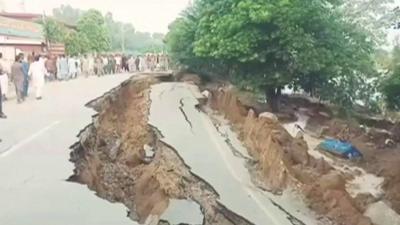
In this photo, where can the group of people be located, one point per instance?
(111, 64)
(36, 69)
(23, 70)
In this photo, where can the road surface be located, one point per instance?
(34, 158)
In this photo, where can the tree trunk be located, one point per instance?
(273, 98)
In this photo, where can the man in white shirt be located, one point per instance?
(37, 72)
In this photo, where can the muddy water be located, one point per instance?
(209, 156)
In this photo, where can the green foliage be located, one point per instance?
(374, 16)
(391, 90)
(124, 37)
(270, 44)
(391, 85)
(114, 36)
(76, 44)
(92, 27)
(54, 31)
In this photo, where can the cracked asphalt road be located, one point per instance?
(34, 158)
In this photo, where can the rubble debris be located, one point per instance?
(269, 116)
(149, 153)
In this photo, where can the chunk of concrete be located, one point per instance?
(269, 116)
(148, 153)
(206, 94)
(382, 214)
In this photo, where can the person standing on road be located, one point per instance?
(2, 115)
(125, 64)
(142, 64)
(51, 67)
(131, 64)
(72, 68)
(4, 77)
(137, 63)
(62, 68)
(25, 67)
(91, 64)
(85, 66)
(17, 77)
(104, 59)
(118, 61)
(113, 64)
(38, 71)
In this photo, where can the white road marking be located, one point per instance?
(29, 139)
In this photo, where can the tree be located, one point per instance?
(271, 44)
(124, 37)
(54, 31)
(92, 27)
(375, 16)
(76, 44)
(391, 85)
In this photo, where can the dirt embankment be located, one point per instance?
(285, 162)
(111, 160)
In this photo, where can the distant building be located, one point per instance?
(31, 17)
(20, 36)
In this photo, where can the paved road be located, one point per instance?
(34, 158)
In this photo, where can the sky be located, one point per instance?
(146, 15)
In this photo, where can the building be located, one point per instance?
(30, 17)
(18, 36)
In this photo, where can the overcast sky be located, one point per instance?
(145, 15)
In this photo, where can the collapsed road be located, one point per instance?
(151, 148)
(154, 146)
(192, 134)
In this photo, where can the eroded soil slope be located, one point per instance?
(284, 162)
(112, 158)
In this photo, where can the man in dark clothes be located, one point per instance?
(17, 76)
(25, 67)
(137, 63)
